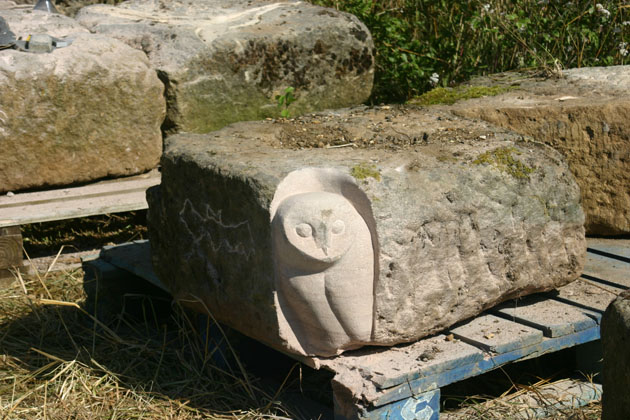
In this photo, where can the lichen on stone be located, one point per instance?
(364, 170)
(448, 96)
(502, 158)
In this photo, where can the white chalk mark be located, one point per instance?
(233, 238)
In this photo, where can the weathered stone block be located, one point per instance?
(616, 373)
(361, 226)
(584, 115)
(225, 61)
(87, 111)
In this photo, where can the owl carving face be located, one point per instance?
(316, 226)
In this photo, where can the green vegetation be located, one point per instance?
(285, 100)
(421, 44)
(449, 96)
(364, 170)
(503, 159)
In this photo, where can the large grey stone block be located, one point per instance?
(87, 111)
(361, 226)
(225, 61)
(616, 374)
(584, 115)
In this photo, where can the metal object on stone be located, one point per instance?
(45, 6)
(41, 43)
(410, 221)
(7, 38)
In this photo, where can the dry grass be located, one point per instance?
(536, 401)
(58, 362)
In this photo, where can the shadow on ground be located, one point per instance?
(150, 346)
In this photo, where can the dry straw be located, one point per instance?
(57, 361)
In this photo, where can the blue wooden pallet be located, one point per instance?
(403, 382)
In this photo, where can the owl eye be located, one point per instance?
(338, 227)
(304, 230)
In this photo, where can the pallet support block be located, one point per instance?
(424, 406)
(107, 286)
(10, 252)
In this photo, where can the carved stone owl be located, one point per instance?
(324, 271)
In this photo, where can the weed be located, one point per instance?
(285, 100)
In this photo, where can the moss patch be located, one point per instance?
(448, 96)
(363, 171)
(503, 159)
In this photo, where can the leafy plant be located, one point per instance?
(421, 44)
(285, 100)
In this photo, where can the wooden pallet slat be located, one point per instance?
(428, 383)
(496, 335)
(589, 296)
(134, 257)
(113, 196)
(607, 271)
(388, 367)
(425, 406)
(613, 248)
(553, 318)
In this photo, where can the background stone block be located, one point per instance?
(584, 115)
(87, 111)
(225, 61)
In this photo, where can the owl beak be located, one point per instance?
(325, 241)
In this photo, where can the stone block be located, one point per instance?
(364, 226)
(87, 111)
(584, 115)
(616, 373)
(225, 61)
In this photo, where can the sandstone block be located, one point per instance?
(225, 61)
(584, 115)
(87, 111)
(616, 372)
(361, 226)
